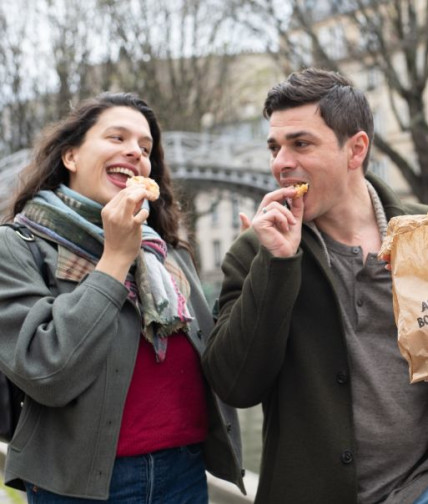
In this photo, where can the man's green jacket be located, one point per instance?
(280, 341)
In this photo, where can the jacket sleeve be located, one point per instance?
(247, 347)
(53, 348)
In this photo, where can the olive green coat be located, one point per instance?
(280, 341)
(73, 353)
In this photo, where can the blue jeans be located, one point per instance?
(422, 499)
(174, 476)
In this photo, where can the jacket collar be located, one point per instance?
(391, 202)
(392, 205)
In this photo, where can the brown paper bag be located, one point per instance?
(405, 247)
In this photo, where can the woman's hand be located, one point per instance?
(122, 219)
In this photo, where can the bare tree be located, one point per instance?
(45, 61)
(78, 42)
(17, 89)
(390, 37)
(176, 55)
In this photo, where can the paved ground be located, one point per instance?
(10, 496)
(222, 492)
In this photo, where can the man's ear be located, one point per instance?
(69, 159)
(358, 148)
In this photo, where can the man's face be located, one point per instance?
(304, 149)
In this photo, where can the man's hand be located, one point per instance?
(279, 228)
(245, 222)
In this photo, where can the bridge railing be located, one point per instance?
(197, 157)
(219, 150)
(9, 172)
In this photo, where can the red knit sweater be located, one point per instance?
(166, 405)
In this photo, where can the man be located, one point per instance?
(306, 324)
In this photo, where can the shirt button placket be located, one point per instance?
(347, 457)
(342, 377)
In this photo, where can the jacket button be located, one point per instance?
(199, 333)
(342, 377)
(347, 457)
(242, 472)
(229, 427)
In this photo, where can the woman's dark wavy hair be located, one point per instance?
(46, 171)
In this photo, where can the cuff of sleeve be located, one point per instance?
(268, 270)
(266, 255)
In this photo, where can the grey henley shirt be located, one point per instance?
(390, 414)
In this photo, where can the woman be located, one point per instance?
(116, 407)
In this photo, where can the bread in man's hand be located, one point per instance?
(301, 189)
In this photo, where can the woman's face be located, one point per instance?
(117, 147)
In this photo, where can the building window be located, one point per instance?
(378, 166)
(378, 121)
(332, 39)
(300, 49)
(215, 215)
(235, 212)
(373, 78)
(217, 253)
(256, 204)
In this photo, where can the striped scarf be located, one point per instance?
(156, 284)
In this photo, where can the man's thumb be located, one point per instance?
(245, 222)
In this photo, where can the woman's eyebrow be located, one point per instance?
(127, 130)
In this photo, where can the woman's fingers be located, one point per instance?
(141, 216)
(129, 199)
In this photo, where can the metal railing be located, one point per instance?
(198, 158)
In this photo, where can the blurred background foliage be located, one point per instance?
(183, 57)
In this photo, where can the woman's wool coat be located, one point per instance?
(71, 348)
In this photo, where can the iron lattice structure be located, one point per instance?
(201, 160)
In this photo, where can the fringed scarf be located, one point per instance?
(156, 283)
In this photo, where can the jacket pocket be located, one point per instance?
(27, 425)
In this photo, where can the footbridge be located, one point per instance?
(201, 160)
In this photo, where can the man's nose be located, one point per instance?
(284, 160)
